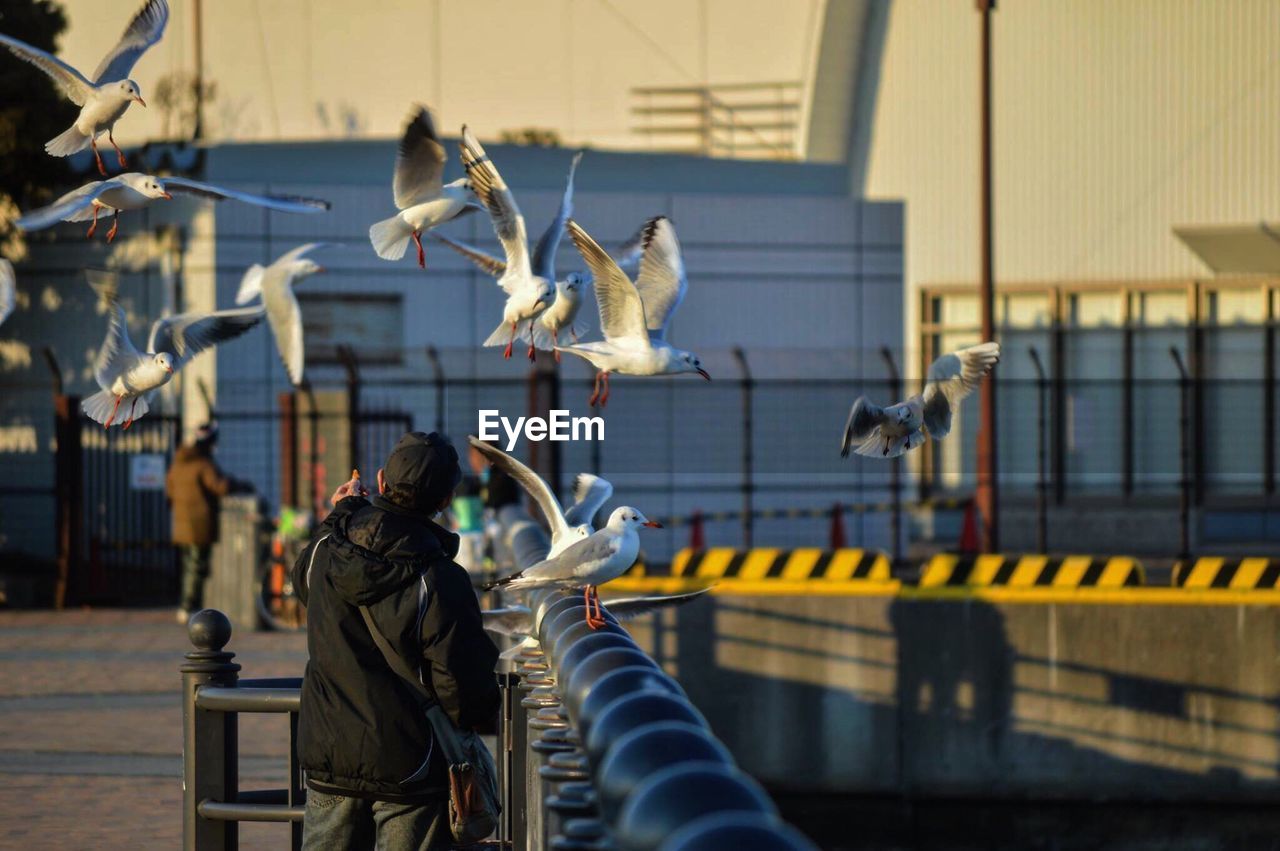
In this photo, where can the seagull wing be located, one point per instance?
(626, 608)
(281, 203)
(301, 251)
(589, 494)
(661, 280)
(285, 318)
(530, 481)
(144, 30)
(67, 207)
(544, 253)
(489, 187)
(487, 262)
(117, 352)
(186, 335)
(621, 310)
(8, 290)
(574, 562)
(251, 283)
(419, 174)
(864, 420)
(68, 79)
(951, 378)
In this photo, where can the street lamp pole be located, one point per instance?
(988, 492)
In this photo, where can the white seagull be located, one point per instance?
(103, 100)
(634, 317)
(528, 291)
(544, 333)
(593, 561)
(8, 290)
(126, 374)
(421, 196)
(889, 432)
(133, 191)
(274, 284)
(589, 496)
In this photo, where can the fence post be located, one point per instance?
(1184, 455)
(748, 439)
(209, 770)
(351, 366)
(1042, 482)
(437, 371)
(69, 485)
(895, 465)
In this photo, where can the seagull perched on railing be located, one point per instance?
(590, 493)
(528, 291)
(423, 198)
(889, 432)
(133, 191)
(588, 563)
(274, 284)
(634, 316)
(128, 375)
(105, 99)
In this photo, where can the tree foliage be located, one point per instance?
(32, 111)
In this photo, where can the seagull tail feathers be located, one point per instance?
(390, 237)
(501, 335)
(99, 406)
(71, 141)
(501, 583)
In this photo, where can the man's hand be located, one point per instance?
(355, 487)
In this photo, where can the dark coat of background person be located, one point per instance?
(194, 485)
(361, 732)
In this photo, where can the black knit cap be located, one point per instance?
(426, 468)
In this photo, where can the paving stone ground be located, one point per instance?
(91, 728)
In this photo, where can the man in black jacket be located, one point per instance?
(373, 770)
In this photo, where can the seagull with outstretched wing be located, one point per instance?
(105, 98)
(634, 316)
(889, 432)
(128, 375)
(274, 284)
(133, 191)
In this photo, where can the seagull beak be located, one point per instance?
(166, 195)
(320, 269)
(141, 101)
(169, 370)
(652, 524)
(704, 373)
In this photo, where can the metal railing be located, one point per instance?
(213, 696)
(612, 752)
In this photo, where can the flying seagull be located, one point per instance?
(544, 333)
(889, 432)
(128, 375)
(103, 100)
(274, 284)
(634, 317)
(589, 495)
(133, 191)
(529, 292)
(421, 196)
(604, 555)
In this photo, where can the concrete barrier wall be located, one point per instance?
(907, 693)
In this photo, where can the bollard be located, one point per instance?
(739, 831)
(209, 765)
(674, 797)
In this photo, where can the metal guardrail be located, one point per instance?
(213, 696)
(612, 753)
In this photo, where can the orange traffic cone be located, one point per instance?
(970, 542)
(837, 526)
(696, 539)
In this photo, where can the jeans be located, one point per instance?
(195, 570)
(339, 823)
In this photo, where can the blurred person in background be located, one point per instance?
(195, 485)
(482, 492)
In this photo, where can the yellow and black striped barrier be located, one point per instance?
(1031, 571)
(1228, 573)
(763, 564)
